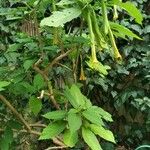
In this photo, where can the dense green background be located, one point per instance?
(125, 92)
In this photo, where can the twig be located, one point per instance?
(64, 66)
(56, 147)
(38, 125)
(58, 142)
(41, 95)
(56, 60)
(39, 61)
(45, 73)
(51, 96)
(55, 140)
(4, 116)
(15, 112)
(24, 131)
(47, 94)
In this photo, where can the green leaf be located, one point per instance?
(13, 47)
(102, 132)
(29, 88)
(132, 10)
(66, 15)
(65, 2)
(35, 105)
(72, 110)
(75, 97)
(105, 115)
(88, 103)
(6, 139)
(147, 29)
(38, 82)
(122, 31)
(93, 116)
(3, 144)
(90, 139)
(78, 96)
(98, 66)
(70, 138)
(8, 134)
(52, 130)
(74, 121)
(13, 124)
(13, 18)
(27, 64)
(3, 84)
(56, 115)
(137, 28)
(70, 97)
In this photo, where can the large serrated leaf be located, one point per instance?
(90, 139)
(102, 132)
(56, 115)
(52, 130)
(70, 138)
(59, 18)
(123, 31)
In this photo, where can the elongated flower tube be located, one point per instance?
(115, 14)
(92, 38)
(107, 28)
(98, 36)
(117, 55)
(82, 74)
(105, 18)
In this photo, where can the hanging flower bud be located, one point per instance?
(82, 75)
(115, 14)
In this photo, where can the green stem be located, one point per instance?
(52, 95)
(15, 112)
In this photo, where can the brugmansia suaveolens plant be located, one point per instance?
(102, 32)
(82, 120)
